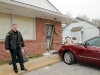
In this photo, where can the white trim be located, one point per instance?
(12, 19)
(17, 3)
(34, 28)
(41, 12)
(44, 4)
(52, 6)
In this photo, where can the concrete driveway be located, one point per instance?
(61, 68)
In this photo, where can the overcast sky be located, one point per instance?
(90, 8)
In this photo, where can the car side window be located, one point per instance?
(94, 42)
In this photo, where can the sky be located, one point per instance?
(90, 8)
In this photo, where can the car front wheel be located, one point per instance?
(68, 58)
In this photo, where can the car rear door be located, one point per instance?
(91, 52)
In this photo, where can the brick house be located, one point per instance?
(36, 20)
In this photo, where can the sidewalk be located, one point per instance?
(32, 64)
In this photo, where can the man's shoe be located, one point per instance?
(24, 69)
(16, 71)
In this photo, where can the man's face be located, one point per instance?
(14, 27)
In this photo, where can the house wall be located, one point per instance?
(89, 31)
(38, 46)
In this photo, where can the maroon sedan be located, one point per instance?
(87, 52)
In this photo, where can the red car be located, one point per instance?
(87, 52)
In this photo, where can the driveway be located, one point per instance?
(63, 69)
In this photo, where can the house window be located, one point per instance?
(5, 24)
(25, 26)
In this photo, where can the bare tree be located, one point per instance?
(68, 14)
(83, 17)
(96, 22)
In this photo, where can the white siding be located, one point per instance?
(89, 31)
(25, 26)
(5, 25)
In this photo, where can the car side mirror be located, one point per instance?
(84, 44)
(87, 44)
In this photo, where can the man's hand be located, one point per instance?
(8, 51)
(23, 48)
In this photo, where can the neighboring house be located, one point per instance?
(82, 30)
(36, 20)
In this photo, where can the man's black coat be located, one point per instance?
(10, 40)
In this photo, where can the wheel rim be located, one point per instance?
(67, 58)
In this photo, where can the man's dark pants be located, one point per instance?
(19, 55)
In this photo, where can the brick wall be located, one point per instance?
(41, 24)
(38, 46)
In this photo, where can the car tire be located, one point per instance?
(68, 58)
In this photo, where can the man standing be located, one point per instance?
(13, 44)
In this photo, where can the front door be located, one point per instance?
(48, 34)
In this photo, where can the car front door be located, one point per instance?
(90, 53)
